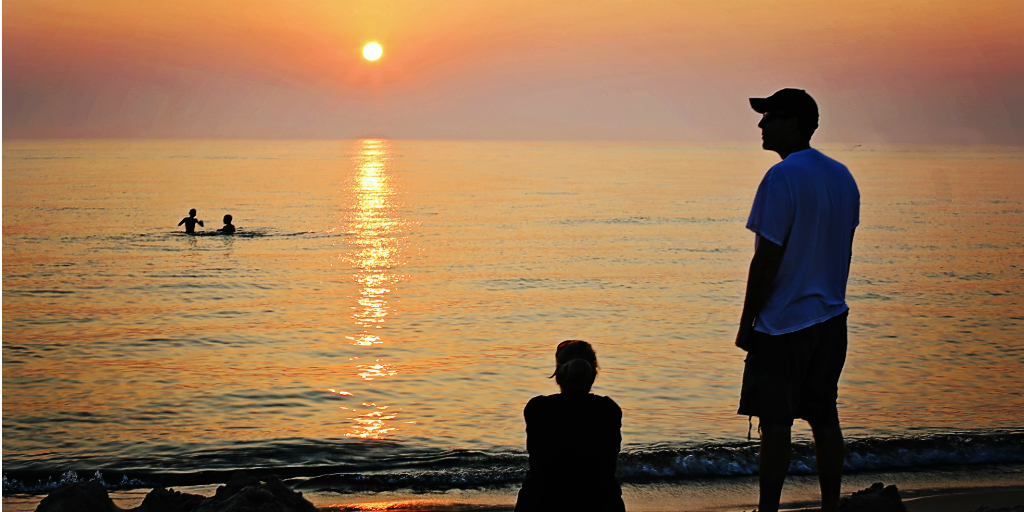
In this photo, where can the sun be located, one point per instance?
(372, 51)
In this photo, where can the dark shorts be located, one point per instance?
(795, 375)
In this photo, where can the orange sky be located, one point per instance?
(882, 71)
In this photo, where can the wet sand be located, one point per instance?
(967, 501)
(733, 495)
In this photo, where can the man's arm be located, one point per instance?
(763, 269)
(183, 221)
(849, 262)
(201, 223)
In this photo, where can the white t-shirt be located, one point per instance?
(809, 204)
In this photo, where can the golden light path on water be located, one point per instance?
(375, 231)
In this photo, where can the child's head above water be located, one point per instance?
(227, 219)
(576, 366)
(192, 212)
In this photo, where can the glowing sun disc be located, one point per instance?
(372, 51)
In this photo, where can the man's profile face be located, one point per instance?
(776, 127)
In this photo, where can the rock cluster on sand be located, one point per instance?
(241, 494)
(877, 498)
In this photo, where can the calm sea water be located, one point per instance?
(388, 307)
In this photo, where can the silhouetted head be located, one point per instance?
(790, 117)
(192, 212)
(575, 366)
(227, 219)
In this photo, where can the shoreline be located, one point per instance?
(949, 489)
(967, 501)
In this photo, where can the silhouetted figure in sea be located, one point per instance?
(573, 439)
(191, 221)
(793, 324)
(228, 228)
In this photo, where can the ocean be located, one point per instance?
(387, 307)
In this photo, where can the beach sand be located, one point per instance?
(731, 495)
(967, 501)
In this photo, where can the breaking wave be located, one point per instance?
(473, 469)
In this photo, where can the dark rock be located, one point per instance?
(877, 498)
(239, 480)
(241, 494)
(169, 500)
(88, 496)
(272, 496)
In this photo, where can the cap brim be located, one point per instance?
(760, 105)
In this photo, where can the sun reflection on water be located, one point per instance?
(376, 231)
(395, 505)
(370, 372)
(372, 424)
(377, 242)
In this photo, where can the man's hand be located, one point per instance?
(763, 269)
(743, 336)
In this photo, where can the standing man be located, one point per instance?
(793, 325)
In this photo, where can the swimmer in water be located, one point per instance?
(190, 222)
(228, 228)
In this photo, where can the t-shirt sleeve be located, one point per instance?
(530, 411)
(856, 209)
(771, 216)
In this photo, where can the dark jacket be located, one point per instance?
(573, 440)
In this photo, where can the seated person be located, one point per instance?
(228, 228)
(191, 221)
(573, 439)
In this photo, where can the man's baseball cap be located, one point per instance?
(795, 102)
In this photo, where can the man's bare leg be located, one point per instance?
(773, 464)
(829, 452)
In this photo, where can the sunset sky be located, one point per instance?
(882, 71)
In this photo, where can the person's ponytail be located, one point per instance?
(576, 375)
